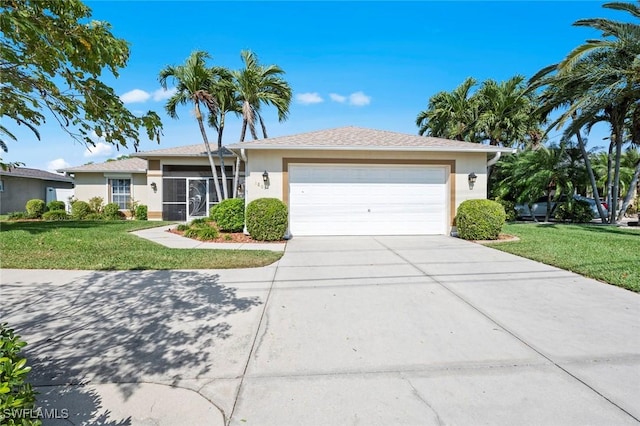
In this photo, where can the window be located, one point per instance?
(120, 192)
(1, 185)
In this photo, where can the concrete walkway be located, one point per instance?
(341, 331)
(161, 236)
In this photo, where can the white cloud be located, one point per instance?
(57, 164)
(135, 96)
(309, 98)
(100, 150)
(359, 99)
(337, 98)
(162, 94)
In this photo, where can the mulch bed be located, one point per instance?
(233, 237)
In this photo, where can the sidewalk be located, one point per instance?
(161, 236)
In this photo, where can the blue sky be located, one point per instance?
(368, 64)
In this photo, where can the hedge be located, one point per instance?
(229, 215)
(480, 219)
(35, 208)
(267, 219)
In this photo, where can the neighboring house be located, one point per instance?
(117, 181)
(344, 181)
(21, 184)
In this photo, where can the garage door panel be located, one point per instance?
(367, 200)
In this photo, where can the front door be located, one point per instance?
(197, 192)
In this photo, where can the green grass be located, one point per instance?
(608, 254)
(104, 245)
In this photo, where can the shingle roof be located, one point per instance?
(357, 138)
(197, 150)
(131, 165)
(26, 172)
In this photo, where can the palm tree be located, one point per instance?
(599, 81)
(227, 100)
(533, 173)
(193, 83)
(451, 115)
(507, 113)
(259, 85)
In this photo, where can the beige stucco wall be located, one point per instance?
(89, 185)
(260, 161)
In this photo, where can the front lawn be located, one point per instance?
(608, 254)
(108, 245)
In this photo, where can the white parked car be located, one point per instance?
(539, 207)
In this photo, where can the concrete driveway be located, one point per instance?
(357, 330)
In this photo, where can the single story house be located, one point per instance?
(21, 184)
(343, 181)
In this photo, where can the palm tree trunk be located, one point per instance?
(629, 196)
(252, 129)
(264, 128)
(243, 132)
(616, 179)
(609, 179)
(225, 191)
(592, 178)
(208, 148)
(236, 177)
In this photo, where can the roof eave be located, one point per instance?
(486, 149)
(102, 171)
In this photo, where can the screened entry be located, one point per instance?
(188, 192)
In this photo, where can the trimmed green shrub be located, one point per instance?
(182, 227)
(96, 204)
(16, 395)
(577, 211)
(17, 215)
(229, 215)
(267, 219)
(56, 205)
(212, 211)
(55, 215)
(35, 208)
(112, 212)
(80, 209)
(480, 219)
(509, 209)
(141, 212)
(94, 216)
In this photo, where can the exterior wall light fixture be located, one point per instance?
(472, 179)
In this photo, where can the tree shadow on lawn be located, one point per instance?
(122, 327)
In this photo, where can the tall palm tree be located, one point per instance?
(451, 115)
(259, 85)
(507, 113)
(193, 83)
(606, 73)
(227, 101)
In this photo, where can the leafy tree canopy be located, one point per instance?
(51, 58)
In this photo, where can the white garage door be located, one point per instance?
(367, 200)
